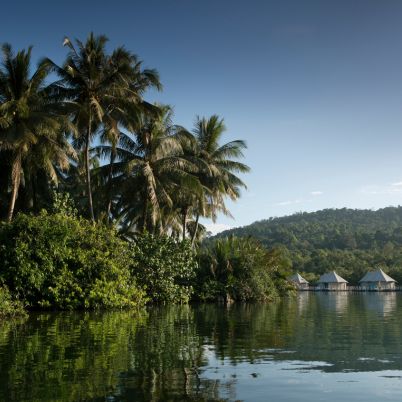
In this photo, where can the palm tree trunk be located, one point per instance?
(184, 223)
(195, 229)
(12, 202)
(16, 179)
(145, 213)
(87, 170)
(109, 204)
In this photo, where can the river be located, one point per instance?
(313, 347)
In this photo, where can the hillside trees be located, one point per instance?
(349, 241)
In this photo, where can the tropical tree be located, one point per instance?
(218, 168)
(31, 129)
(241, 269)
(99, 87)
(125, 113)
(148, 173)
(150, 169)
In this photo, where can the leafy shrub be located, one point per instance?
(63, 262)
(64, 204)
(165, 267)
(9, 306)
(241, 269)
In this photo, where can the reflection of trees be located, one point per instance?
(346, 337)
(163, 355)
(242, 331)
(167, 359)
(351, 332)
(121, 356)
(65, 357)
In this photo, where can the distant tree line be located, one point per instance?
(350, 241)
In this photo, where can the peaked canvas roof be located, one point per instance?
(377, 276)
(331, 277)
(297, 278)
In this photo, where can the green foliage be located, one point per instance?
(77, 354)
(241, 269)
(58, 261)
(165, 267)
(349, 241)
(90, 131)
(147, 172)
(64, 204)
(9, 306)
(31, 127)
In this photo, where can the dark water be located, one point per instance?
(316, 347)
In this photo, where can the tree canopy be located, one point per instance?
(85, 128)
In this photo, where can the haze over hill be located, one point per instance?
(350, 241)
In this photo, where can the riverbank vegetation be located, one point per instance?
(9, 305)
(241, 269)
(101, 192)
(60, 261)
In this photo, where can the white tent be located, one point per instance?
(299, 281)
(332, 281)
(377, 280)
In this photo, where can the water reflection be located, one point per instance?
(336, 301)
(302, 300)
(208, 352)
(384, 303)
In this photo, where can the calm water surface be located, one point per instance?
(315, 347)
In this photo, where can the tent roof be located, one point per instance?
(297, 278)
(377, 276)
(331, 277)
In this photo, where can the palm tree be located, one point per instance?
(47, 157)
(96, 85)
(30, 129)
(125, 112)
(219, 168)
(73, 182)
(150, 169)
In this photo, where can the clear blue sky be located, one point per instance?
(314, 87)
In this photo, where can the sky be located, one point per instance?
(314, 87)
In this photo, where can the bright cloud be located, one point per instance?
(316, 193)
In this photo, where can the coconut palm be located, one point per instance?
(125, 112)
(94, 84)
(148, 173)
(219, 168)
(30, 129)
(150, 169)
(47, 157)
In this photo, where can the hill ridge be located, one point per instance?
(348, 240)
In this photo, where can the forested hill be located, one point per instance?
(350, 241)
